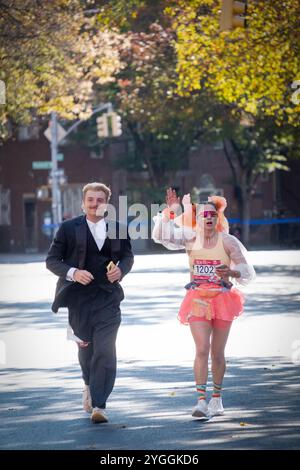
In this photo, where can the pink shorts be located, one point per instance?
(215, 322)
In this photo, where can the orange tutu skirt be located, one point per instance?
(210, 301)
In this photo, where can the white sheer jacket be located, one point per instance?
(168, 234)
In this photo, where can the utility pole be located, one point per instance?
(55, 133)
(56, 193)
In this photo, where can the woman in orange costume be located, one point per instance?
(217, 261)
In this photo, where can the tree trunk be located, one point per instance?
(246, 220)
(142, 149)
(245, 209)
(242, 179)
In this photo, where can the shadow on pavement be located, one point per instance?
(150, 409)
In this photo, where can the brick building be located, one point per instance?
(26, 196)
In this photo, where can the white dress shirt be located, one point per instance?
(98, 230)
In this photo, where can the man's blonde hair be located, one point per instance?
(97, 187)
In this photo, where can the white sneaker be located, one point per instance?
(99, 415)
(200, 410)
(215, 406)
(87, 399)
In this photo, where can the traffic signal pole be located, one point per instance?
(55, 141)
(56, 193)
(105, 106)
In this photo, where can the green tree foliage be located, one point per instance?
(162, 124)
(169, 70)
(250, 69)
(236, 85)
(51, 56)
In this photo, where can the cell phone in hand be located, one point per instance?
(110, 266)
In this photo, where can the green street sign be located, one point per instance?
(42, 165)
(45, 165)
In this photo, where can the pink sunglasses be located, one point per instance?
(206, 214)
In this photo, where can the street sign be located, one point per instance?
(59, 174)
(45, 165)
(60, 133)
(42, 165)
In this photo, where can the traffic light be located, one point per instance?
(233, 15)
(102, 126)
(116, 124)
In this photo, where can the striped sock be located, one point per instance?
(217, 390)
(201, 390)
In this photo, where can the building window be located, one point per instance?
(4, 206)
(72, 200)
(207, 187)
(28, 132)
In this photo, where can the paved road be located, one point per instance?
(154, 393)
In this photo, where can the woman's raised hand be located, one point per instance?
(172, 200)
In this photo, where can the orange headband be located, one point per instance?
(188, 219)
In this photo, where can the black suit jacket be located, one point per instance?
(68, 250)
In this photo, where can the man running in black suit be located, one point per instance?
(91, 255)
